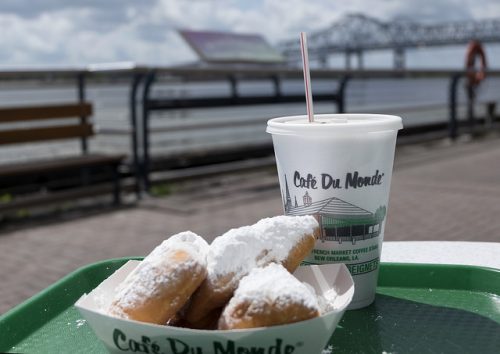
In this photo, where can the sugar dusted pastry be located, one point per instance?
(282, 239)
(269, 296)
(164, 281)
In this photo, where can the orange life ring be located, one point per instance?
(474, 51)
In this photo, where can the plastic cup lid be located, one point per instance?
(328, 124)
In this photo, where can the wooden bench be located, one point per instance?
(59, 128)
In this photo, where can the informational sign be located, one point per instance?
(218, 47)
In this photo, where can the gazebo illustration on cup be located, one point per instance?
(339, 220)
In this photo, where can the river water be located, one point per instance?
(417, 101)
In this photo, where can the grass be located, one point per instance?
(5, 198)
(162, 190)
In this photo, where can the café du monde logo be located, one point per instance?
(177, 346)
(340, 221)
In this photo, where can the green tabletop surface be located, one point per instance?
(418, 309)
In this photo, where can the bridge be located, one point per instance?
(357, 33)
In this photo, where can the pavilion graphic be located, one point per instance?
(339, 220)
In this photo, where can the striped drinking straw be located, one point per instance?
(307, 76)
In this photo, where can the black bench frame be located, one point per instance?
(82, 130)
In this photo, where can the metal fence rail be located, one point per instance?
(143, 102)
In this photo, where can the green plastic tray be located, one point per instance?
(418, 309)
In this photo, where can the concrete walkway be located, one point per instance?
(444, 192)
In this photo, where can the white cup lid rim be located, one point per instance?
(334, 123)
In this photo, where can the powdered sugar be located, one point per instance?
(240, 250)
(196, 241)
(149, 277)
(272, 284)
(327, 301)
(103, 302)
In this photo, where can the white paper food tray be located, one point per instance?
(308, 337)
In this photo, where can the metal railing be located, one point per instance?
(151, 104)
(142, 103)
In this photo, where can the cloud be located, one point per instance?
(114, 9)
(74, 35)
(78, 32)
(435, 11)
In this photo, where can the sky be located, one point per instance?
(78, 32)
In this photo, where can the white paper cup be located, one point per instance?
(339, 169)
(310, 336)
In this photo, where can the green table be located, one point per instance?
(418, 309)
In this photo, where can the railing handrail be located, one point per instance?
(222, 73)
(142, 78)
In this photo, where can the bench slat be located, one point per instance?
(21, 114)
(16, 136)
